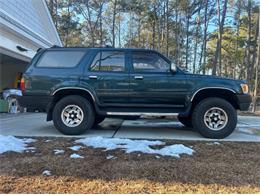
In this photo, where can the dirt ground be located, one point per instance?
(214, 168)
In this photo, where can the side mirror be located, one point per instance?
(173, 67)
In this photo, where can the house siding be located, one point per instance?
(31, 16)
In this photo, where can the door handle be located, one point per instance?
(92, 77)
(139, 77)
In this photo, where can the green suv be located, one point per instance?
(79, 87)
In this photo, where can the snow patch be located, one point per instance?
(57, 151)
(76, 156)
(129, 146)
(29, 140)
(46, 173)
(75, 148)
(213, 143)
(110, 157)
(11, 143)
(30, 149)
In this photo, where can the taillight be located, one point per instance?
(22, 84)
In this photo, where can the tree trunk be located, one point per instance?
(255, 44)
(219, 41)
(101, 25)
(130, 29)
(119, 31)
(257, 63)
(167, 28)
(52, 8)
(237, 34)
(196, 42)
(139, 32)
(154, 23)
(195, 50)
(204, 48)
(68, 24)
(56, 14)
(177, 33)
(248, 53)
(87, 16)
(159, 34)
(113, 23)
(187, 39)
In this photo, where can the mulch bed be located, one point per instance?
(226, 168)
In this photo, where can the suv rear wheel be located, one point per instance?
(214, 118)
(73, 115)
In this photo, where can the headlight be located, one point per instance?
(244, 88)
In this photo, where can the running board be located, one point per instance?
(141, 114)
(129, 111)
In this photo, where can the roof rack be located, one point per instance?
(108, 46)
(104, 46)
(39, 49)
(55, 46)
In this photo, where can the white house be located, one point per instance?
(25, 26)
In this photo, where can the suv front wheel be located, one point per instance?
(73, 115)
(214, 118)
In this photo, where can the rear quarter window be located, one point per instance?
(60, 59)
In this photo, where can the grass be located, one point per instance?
(226, 168)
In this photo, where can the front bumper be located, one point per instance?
(244, 101)
(35, 102)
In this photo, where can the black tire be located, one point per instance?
(84, 105)
(98, 119)
(201, 126)
(186, 121)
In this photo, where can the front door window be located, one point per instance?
(149, 62)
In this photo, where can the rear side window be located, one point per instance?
(60, 59)
(109, 61)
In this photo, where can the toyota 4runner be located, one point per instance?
(79, 87)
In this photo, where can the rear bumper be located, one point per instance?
(244, 101)
(35, 102)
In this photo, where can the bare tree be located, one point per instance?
(101, 23)
(154, 16)
(187, 37)
(204, 46)
(68, 23)
(91, 19)
(191, 9)
(257, 63)
(113, 22)
(237, 19)
(248, 46)
(167, 27)
(221, 22)
(196, 40)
